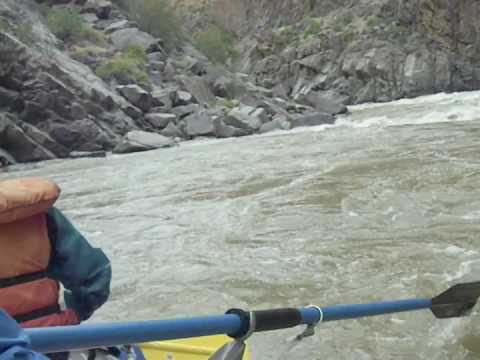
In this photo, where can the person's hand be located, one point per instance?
(14, 343)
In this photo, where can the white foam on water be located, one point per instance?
(456, 251)
(464, 269)
(448, 333)
(437, 108)
(474, 215)
(398, 321)
(371, 121)
(426, 99)
(430, 117)
(300, 130)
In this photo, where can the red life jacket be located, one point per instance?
(26, 291)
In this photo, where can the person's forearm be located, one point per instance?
(84, 271)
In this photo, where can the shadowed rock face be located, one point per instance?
(54, 109)
(52, 105)
(375, 50)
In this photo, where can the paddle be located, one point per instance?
(457, 301)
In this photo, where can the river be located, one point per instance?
(383, 205)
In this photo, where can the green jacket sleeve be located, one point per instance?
(84, 271)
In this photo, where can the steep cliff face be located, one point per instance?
(362, 51)
(248, 16)
(51, 105)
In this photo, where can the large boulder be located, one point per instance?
(137, 96)
(44, 139)
(102, 8)
(160, 120)
(280, 122)
(313, 62)
(197, 67)
(198, 87)
(185, 110)
(78, 134)
(326, 101)
(244, 117)
(136, 140)
(157, 56)
(6, 158)
(20, 145)
(261, 114)
(172, 130)
(312, 119)
(223, 86)
(268, 66)
(123, 38)
(118, 25)
(183, 98)
(199, 124)
(163, 98)
(223, 130)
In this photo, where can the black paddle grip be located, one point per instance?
(275, 319)
(266, 320)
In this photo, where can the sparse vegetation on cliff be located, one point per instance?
(216, 43)
(22, 30)
(156, 17)
(68, 25)
(126, 67)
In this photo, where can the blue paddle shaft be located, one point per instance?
(88, 336)
(342, 312)
(65, 338)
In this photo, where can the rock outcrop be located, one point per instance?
(354, 51)
(135, 141)
(53, 104)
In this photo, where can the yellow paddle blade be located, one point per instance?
(199, 348)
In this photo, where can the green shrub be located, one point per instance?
(66, 23)
(22, 30)
(4, 25)
(395, 31)
(372, 20)
(282, 37)
(156, 17)
(83, 53)
(136, 52)
(216, 43)
(121, 3)
(349, 34)
(122, 69)
(227, 103)
(314, 28)
(287, 31)
(345, 19)
(129, 65)
(342, 21)
(44, 9)
(91, 35)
